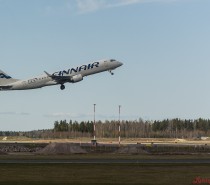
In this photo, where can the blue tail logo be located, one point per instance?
(2, 75)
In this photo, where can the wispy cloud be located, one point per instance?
(67, 115)
(83, 117)
(15, 113)
(7, 113)
(24, 113)
(86, 6)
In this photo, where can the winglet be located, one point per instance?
(48, 74)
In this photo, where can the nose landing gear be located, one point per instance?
(111, 72)
(62, 87)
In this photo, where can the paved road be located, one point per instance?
(108, 161)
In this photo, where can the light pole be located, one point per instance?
(119, 124)
(94, 123)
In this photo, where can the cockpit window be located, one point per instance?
(112, 60)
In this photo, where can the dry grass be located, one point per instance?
(141, 174)
(101, 174)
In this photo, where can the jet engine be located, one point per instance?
(77, 78)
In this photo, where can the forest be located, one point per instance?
(167, 128)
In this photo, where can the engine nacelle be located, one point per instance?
(76, 78)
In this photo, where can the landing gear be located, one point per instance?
(62, 87)
(111, 72)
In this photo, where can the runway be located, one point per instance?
(107, 161)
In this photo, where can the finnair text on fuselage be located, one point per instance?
(76, 70)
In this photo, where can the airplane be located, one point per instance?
(71, 75)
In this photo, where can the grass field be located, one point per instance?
(141, 174)
(34, 174)
(31, 156)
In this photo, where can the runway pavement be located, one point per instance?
(107, 161)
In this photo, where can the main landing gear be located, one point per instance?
(111, 72)
(62, 87)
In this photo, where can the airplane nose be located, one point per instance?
(120, 63)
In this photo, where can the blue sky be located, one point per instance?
(164, 45)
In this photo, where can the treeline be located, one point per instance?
(168, 128)
(63, 126)
(181, 128)
(9, 133)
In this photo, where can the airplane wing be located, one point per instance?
(59, 79)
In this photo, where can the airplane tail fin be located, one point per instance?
(6, 79)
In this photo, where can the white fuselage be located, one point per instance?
(71, 75)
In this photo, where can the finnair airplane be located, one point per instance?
(71, 75)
